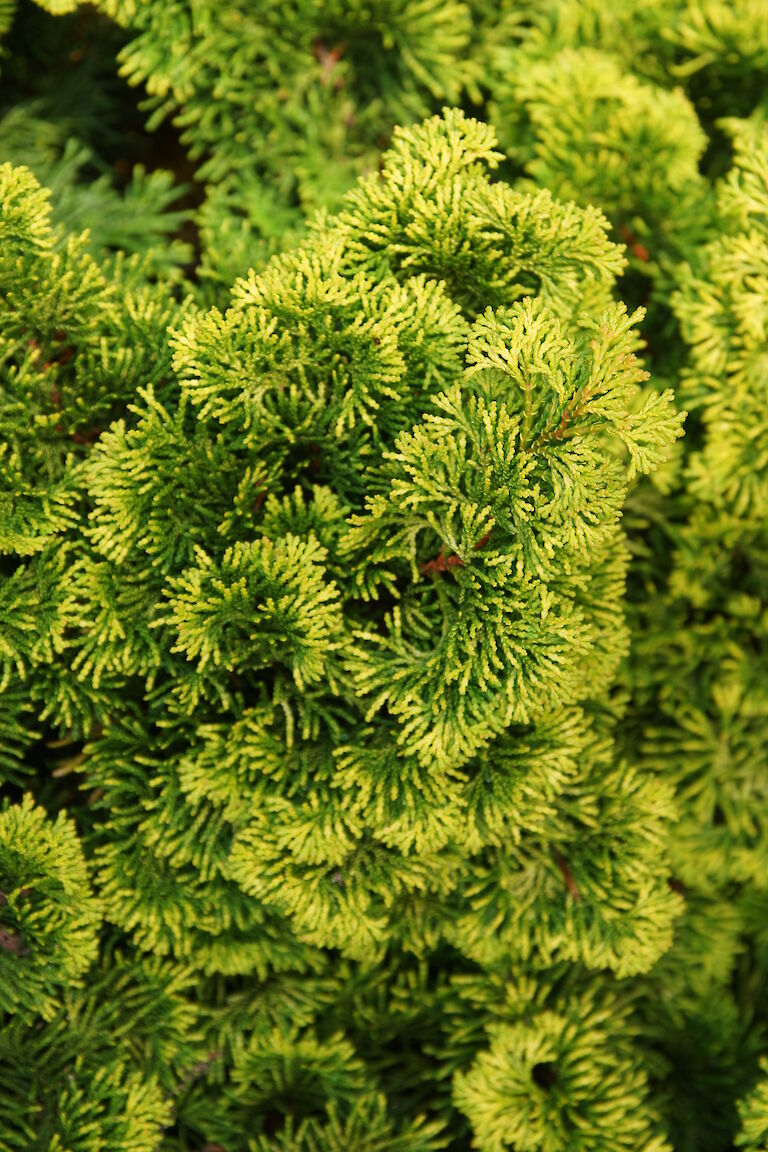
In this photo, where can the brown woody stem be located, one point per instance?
(570, 883)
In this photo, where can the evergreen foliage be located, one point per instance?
(50, 918)
(383, 701)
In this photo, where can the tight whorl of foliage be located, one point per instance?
(753, 1111)
(49, 916)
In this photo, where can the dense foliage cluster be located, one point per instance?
(383, 677)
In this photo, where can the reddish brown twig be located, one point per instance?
(259, 501)
(327, 58)
(633, 244)
(12, 943)
(443, 563)
(570, 883)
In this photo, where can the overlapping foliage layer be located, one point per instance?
(382, 673)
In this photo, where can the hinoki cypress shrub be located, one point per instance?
(382, 674)
(341, 624)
